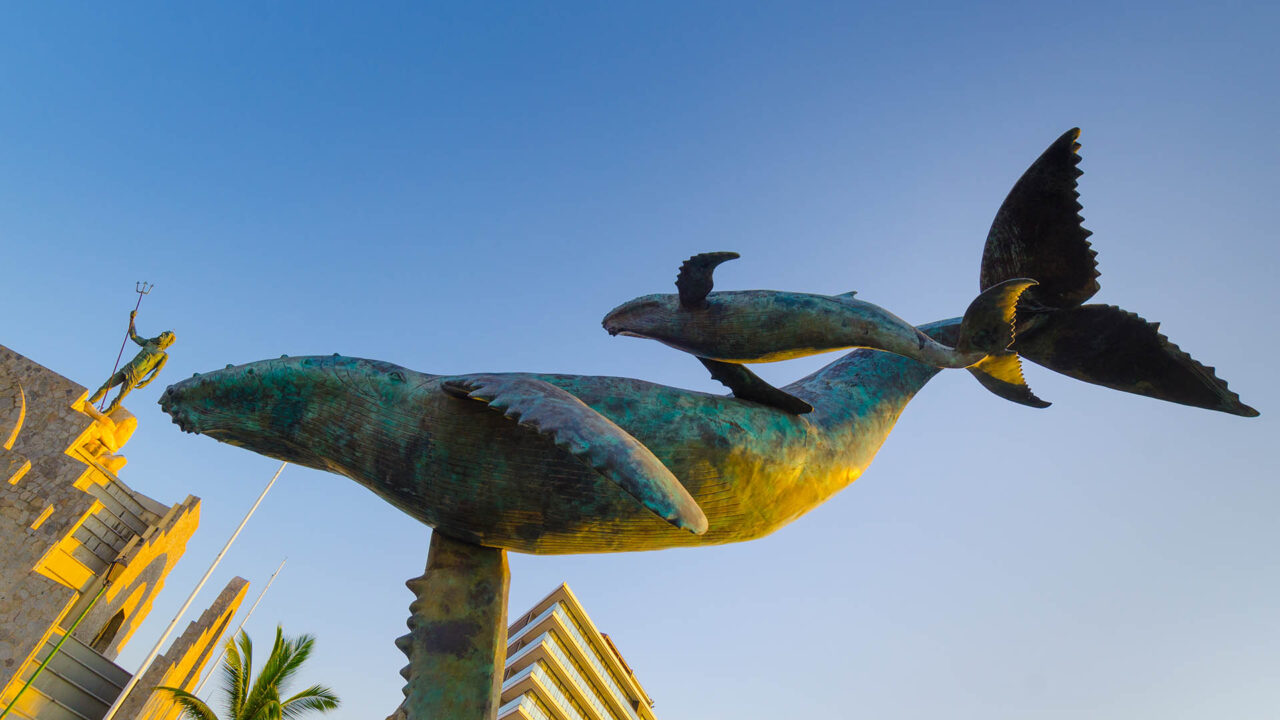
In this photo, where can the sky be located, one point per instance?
(466, 187)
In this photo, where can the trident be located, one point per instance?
(141, 288)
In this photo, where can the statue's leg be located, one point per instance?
(457, 633)
(127, 380)
(97, 394)
(124, 390)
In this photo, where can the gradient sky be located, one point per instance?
(467, 187)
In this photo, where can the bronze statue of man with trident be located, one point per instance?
(141, 370)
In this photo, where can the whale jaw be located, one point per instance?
(643, 317)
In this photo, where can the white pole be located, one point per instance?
(213, 667)
(124, 694)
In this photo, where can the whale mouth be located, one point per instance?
(171, 405)
(616, 330)
(175, 414)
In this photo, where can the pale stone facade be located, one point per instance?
(181, 664)
(65, 516)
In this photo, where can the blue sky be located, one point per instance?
(459, 189)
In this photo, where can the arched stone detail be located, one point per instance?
(13, 409)
(107, 634)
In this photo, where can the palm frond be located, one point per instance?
(275, 671)
(316, 697)
(251, 698)
(298, 652)
(236, 672)
(192, 707)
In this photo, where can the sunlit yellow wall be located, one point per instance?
(181, 665)
(57, 459)
(148, 562)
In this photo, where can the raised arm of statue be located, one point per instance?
(133, 335)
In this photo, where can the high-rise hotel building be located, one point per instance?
(560, 667)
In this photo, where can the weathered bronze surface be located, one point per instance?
(141, 370)
(457, 632)
(746, 385)
(549, 464)
(756, 326)
(726, 329)
(478, 475)
(1038, 233)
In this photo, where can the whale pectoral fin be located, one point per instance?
(590, 437)
(1002, 375)
(1038, 232)
(746, 385)
(1104, 345)
(694, 280)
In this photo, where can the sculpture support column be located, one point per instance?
(457, 633)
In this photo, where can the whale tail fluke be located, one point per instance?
(1038, 233)
(1108, 346)
(989, 323)
(1002, 375)
(990, 326)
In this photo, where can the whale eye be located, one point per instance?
(397, 376)
(249, 371)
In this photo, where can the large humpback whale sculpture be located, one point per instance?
(552, 464)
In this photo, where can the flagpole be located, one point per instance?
(214, 666)
(124, 694)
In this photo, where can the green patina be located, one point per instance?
(141, 370)
(464, 469)
(457, 632)
(553, 464)
(487, 483)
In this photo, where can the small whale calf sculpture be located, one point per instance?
(552, 464)
(724, 329)
(760, 326)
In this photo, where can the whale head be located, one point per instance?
(280, 408)
(657, 317)
(240, 405)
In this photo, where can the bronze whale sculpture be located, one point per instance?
(489, 458)
(727, 329)
(1037, 233)
(550, 464)
(760, 326)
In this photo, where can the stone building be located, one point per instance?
(65, 518)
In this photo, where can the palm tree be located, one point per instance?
(259, 699)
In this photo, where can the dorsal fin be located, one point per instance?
(694, 279)
(849, 294)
